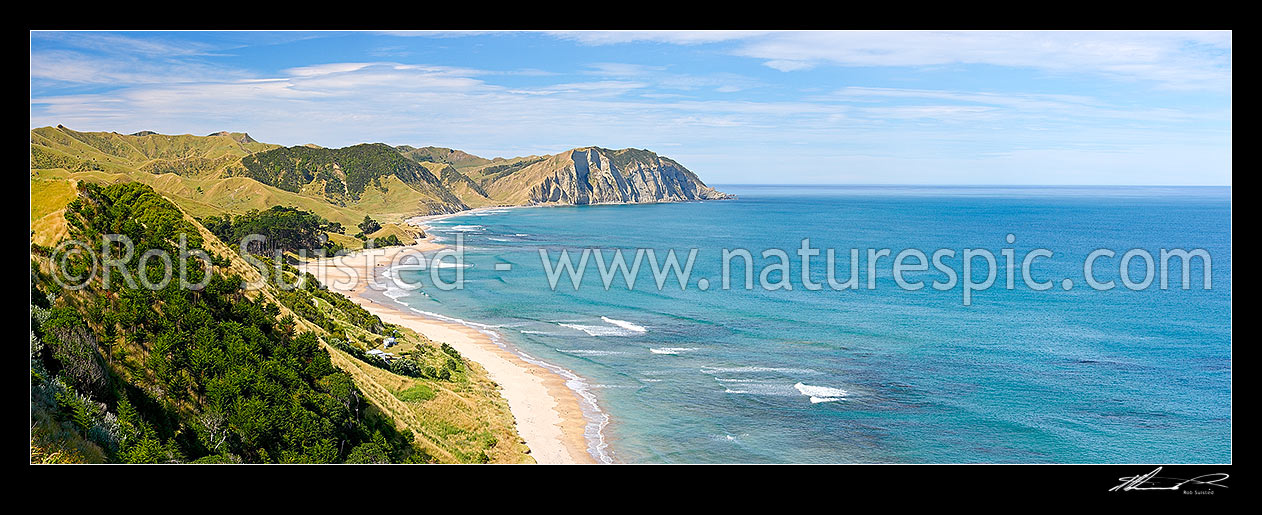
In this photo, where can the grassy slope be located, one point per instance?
(464, 187)
(455, 421)
(49, 197)
(190, 170)
(155, 153)
(440, 155)
(406, 234)
(513, 185)
(197, 173)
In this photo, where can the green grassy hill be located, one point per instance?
(457, 158)
(59, 147)
(232, 173)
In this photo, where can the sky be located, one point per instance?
(847, 107)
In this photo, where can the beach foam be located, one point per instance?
(396, 293)
(597, 419)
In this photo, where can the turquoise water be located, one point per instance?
(880, 375)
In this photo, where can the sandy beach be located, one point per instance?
(548, 414)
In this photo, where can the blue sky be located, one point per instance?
(735, 107)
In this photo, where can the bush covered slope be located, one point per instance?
(222, 374)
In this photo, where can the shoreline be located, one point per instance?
(548, 413)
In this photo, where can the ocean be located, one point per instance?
(881, 375)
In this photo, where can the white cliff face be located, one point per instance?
(600, 176)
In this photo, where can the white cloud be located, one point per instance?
(1183, 60)
(326, 69)
(1178, 60)
(689, 37)
(837, 133)
(65, 66)
(339, 104)
(117, 44)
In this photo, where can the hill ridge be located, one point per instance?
(231, 172)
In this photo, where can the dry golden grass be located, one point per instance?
(462, 420)
(49, 197)
(406, 234)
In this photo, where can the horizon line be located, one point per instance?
(972, 185)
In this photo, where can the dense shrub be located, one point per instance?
(286, 229)
(206, 375)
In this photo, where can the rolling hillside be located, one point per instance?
(231, 173)
(456, 158)
(351, 175)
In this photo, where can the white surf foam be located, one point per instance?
(592, 352)
(755, 387)
(598, 330)
(625, 324)
(448, 264)
(395, 293)
(743, 370)
(619, 328)
(674, 351)
(820, 394)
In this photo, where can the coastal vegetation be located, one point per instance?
(344, 172)
(187, 375)
(284, 229)
(221, 374)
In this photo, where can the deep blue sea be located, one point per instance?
(885, 375)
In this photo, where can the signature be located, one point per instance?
(1151, 481)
